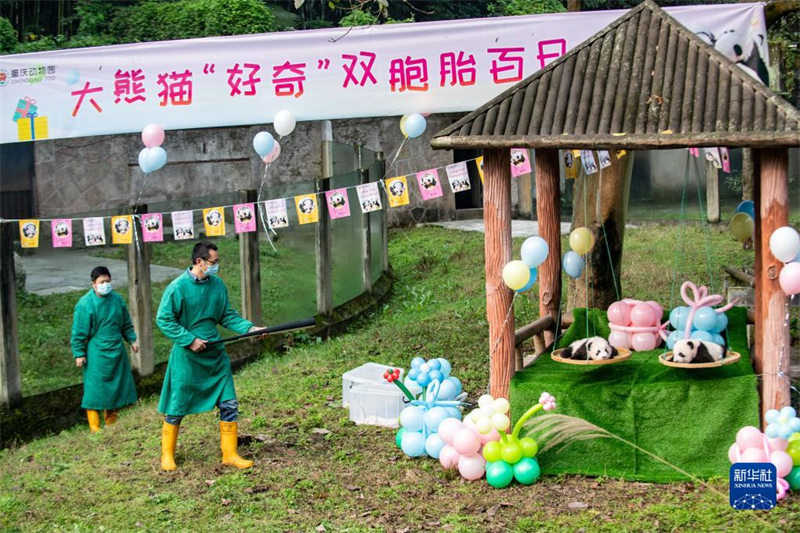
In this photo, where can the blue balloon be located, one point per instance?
(717, 338)
(434, 416)
(456, 382)
(412, 418)
(748, 207)
(702, 335)
(263, 143)
(423, 379)
(722, 323)
(434, 445)
(531, 281)
(674, 337)
(678, 317)
(156, 158)
(413, 443)
(434, 364)
(417, 362)
(788, 412)
(143, 161)
(453, 412)
(448, 390)
(413, 373)
(573, 264)
(415, 125)
(534, 251)
(436, 375)
(705, 319)
(444, 367)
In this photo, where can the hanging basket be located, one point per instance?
(730, 357)
(622, 355)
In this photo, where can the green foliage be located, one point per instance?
(93, 17)
(358, 18)
(8, 36)
(524, 7)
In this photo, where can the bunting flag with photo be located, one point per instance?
(122, 229)
(306, 205)
(396, 191)
(458, 176)
(338, 204)
(277, 216)
(214, 221)
(429, 185)
(183, 225)
(61, 229)
(244, 217)
(724, 157)
(520, 162)
(588, 162)
(620, 153)
(479, 164)
(694, 151)
(152, 227)
(369, 197)
(571, 168)
(94, 232)
(29, 233)
(604, 157)
(712, 154)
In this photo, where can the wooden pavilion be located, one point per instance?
(644, 82)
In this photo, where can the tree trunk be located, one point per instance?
(548, 209)
(747, 173)
(573, 5)
(600, 203)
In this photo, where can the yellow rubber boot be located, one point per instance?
(229, 439)
(169, 438)
(94, 420)
(111, 417)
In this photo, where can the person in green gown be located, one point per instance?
(199, 376)
(100, 323)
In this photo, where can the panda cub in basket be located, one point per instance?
(695, 351)
(596, 348)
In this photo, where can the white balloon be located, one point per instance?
(485, 402)
(500, 405)
(784, 244)
(500, 422)
(484, 424)
(284, 122)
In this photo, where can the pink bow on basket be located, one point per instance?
(701, 299)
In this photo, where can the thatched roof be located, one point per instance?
(643, 82)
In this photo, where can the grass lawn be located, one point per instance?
(316, 471)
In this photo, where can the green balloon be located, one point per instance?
(511, 452)
(399, 437)
(499, 474)
(793, 478)
(793, 449)
(529, 447)
(527, 471)
(491, 451)
(742, 226)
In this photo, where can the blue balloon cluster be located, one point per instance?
(152, 159)
(781, 424)
(707, 325)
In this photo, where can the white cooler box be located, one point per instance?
(371, 399)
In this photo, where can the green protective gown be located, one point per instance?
(189, 309)
(99, 325)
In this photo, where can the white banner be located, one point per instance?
(430, 67)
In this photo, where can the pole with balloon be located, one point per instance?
(151, 158)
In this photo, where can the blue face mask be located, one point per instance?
(212, 269)
(104, 288)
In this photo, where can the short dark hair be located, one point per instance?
(201, 249)
(100, 271)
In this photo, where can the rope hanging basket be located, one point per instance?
(730, 357)
(623, 354)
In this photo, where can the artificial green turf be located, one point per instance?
(687, 417)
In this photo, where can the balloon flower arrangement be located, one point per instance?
(636, 325)
(784, 243)
(779, 445)
(698, 319)
(520, 275)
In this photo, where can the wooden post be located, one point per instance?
(366, 233)
(250, 265)
(384, 228)
(497, 252)
(712, 193)
(10, 379)
(548, 214)
(772, 351)
(140, 297)
(322, 236)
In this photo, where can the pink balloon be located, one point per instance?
(749, 437)
(471, 467)
(466, 441)
(777, 444)
(782, 461)
(733, 453)
(619, 313)
(643, 342)
(642, 315)
(448, 428)
(619, 339)
(273, 155)
(489, 437)
(657, 310)
(753, 455)
(449, 457)
(789, 278)
(152, 135)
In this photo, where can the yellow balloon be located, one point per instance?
(403, 125)
(742, 226)
(581, 240)
(516, 274)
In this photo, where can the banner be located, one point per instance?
(604, 158)
(277, 217)
(369, 71)
(94, 233)
(306, 205)
(152, 227)
(214, 221)
(244, 217)
(121, 229)
(458, 176)
(338, 204)
(397, 191)
(61, 229)
(429, 185)
(520, 162)
(369, 197)
(588, 162)
(183, 225)
(29, 233)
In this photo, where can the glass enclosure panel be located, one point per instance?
(344, 158)
(376, 221)
(346, 249)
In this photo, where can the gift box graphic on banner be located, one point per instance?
(31, 128)
(25, 107)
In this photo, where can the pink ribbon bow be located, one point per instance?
(701, 299)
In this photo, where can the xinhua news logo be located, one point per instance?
(753, 486)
